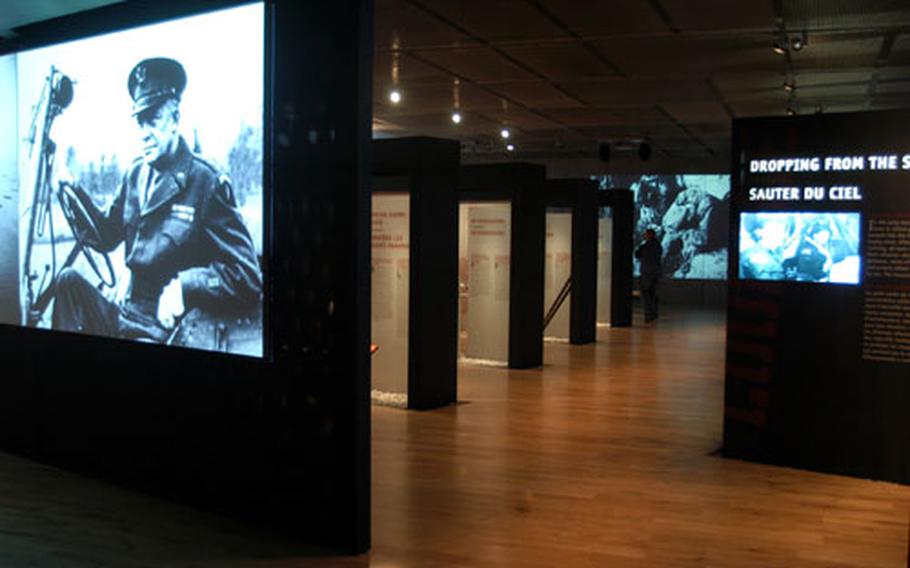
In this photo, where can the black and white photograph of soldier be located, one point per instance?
(140, 183)
(802, 247)
(9, 192)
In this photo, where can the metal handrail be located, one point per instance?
(558, 302)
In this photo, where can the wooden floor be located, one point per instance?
(605, 457)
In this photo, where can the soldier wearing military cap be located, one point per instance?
(186, 245)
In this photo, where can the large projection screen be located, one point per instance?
(132, 184)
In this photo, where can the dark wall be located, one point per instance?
(431, 167)
(801, 389)
(283, 441)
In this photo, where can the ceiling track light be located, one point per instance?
(789, 86)
(797, 43)
(791, 111)
(395, 96)
(780, 45)
(456, 117)
(510, 147)
(505, 133)
(785, 44)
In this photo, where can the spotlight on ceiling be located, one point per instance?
(797, 43)
(456, 117)
(791, 111)
(779, 48)
(789, 86)
(505, 133)
(510, 147)
(395, 96)
(644, 152)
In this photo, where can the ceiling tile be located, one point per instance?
(845, 14)
(439, 98)
(398, 24)
(725, 15)
(561, 61)
(538, 95)
(691, 55)
(602, 17)
(497, 20)
(639, 91)
(612, 117)
(521, 119)
(479, 64)
(833, 51)
(410, 70)
(697, 112)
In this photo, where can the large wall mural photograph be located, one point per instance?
(690, 214)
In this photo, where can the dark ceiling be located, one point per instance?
(567, 75)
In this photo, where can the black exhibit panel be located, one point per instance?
(520, 187)
(818, 346)
(578, 198)
(415, 264)
(619, 204)
(233, 180)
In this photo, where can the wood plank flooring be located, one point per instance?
(605, 457)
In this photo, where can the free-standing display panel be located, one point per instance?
(484, 263)
(817, 350)
(558, 274)
(276, 437)
(572, 235)
(416, 329)
(390, 289)
(617, 206)
(520, 185)
(604, 264)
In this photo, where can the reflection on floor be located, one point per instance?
(605, 457)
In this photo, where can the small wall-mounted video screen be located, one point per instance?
(821, 247)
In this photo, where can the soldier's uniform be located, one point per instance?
(188, 228)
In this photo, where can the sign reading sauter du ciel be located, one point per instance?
(819, 164)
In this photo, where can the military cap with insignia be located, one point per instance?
(153, 81)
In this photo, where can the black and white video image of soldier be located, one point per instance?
(187, 249)
(801, 247)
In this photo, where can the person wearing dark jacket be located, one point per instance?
(186, 245)
(649, 255)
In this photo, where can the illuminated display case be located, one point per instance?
(414, 272)
(484, 261)
(488, 193)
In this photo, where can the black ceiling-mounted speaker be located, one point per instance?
(644, 151)
(605, 152)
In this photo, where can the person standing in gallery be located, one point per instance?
(649, 255)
